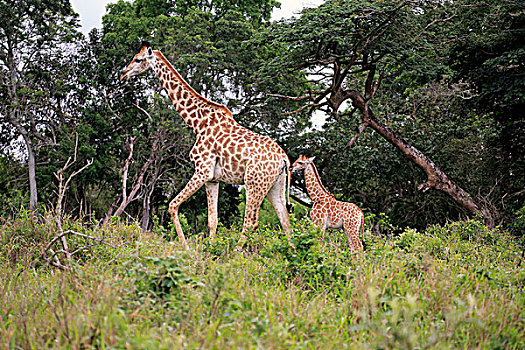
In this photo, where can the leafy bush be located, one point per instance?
(35, 240)
(517, 226)
(161, 277)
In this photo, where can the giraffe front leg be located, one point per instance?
(319, 219)
(191, 187)
(212, 193)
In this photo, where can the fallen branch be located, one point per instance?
(65, 233)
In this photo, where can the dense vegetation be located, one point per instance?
(452, 286)
(442, 78)
(422, 111)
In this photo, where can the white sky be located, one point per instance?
(91, 11)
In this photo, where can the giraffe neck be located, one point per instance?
(314, 186)
(198, 113)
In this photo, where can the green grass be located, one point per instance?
(457, 286)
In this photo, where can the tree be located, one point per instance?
(348, 49)
(490, 58)
(33, 55)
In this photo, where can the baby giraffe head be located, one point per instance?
(301, 163)
(140, 63)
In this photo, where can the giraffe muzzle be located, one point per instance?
(124, 76)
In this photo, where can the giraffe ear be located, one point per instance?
(311, 159)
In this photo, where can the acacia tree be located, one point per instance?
(347, 49)
(34, 84)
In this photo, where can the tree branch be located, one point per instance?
(362, 128)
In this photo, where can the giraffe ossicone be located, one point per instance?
(328, 212)
(224, 150)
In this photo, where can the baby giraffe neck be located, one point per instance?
(314, 186)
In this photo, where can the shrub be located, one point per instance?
(36, 240)
(517, 226)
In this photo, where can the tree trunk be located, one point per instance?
(436, 178)
(31, 165)
(146, 208)
(31, 162)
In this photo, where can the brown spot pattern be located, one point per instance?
(224, 151)
(328, 212)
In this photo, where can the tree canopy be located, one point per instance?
(420, 104)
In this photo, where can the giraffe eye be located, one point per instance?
(138, 60)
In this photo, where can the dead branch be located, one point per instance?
(143, 111)
(71, 232)
(128, 198)
(64, 241)
(62, 187)
(292, 98)
(311, 105)
(126, 169)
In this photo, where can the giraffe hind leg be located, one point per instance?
(257, 183)
(351, 228)
(277, 197)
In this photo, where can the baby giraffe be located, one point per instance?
(328, 212)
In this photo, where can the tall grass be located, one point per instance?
(453, 286)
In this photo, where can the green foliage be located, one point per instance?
(451, 286)
(30, 239)
(452, 87)
(307, 264)
(517, 226)
(420, 53)
(160, 277)
(12, 197)
(490, 58)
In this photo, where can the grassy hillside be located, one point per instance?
(453, 286)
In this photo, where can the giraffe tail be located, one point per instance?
(363, 228)
(289, 206)
(362, 225)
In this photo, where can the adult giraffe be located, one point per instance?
(224, 150)
(328, 212)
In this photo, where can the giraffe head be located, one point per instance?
(141, 62)
(301, 163)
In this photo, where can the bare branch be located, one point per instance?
(362, 128)
(311, 105)
(62, 187)
(291, 98)
(143, 111)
